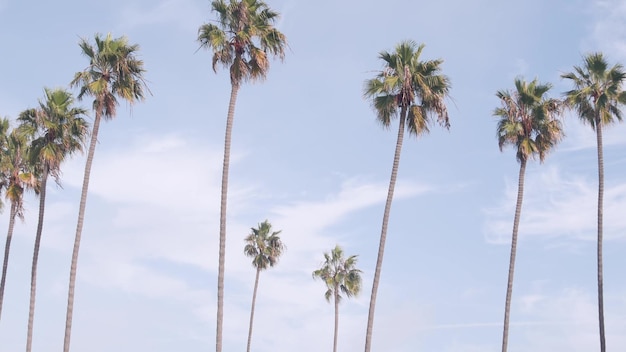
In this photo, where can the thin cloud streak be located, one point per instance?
(557, 206)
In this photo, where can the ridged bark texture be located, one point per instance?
(222, 251)
(7, 249)
(600, 230)
(509, 286)
(79, 230)
(383, 232)
(33, 273)
(336, 294)
(256, 286)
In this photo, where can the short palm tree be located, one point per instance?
(597, 97)
(16, 176)
(241, 41)
(57, 130)
(528, 121)
(264, 246)
(413, 91)
(114, 71)
(341, 277)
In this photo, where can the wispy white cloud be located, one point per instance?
(580, 136)
(158, 240)
(557, 206)
(577, 309)
(154, 170)
(609, 28)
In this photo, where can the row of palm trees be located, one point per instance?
(530, 122)
(49, 134)
(415, 91)
(338, 273)
(31, 153)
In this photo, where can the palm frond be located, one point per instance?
(410, 88)
(339, 274)
(528, 120)
(243, 38)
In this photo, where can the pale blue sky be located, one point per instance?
(309, 156)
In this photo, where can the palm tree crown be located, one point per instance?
(339, 274)
(113, 71)
(409, 88)
(243, 38)
(597, 92)
(19, 174)
(264, 246)
(528, 120)
(57, 128)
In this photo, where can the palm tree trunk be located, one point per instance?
(79, 230)
(256, 285)
(383, 233)
(222, 251)
(33, 274)
(7, 248)
(336, 317)
(600, 225)
(509, 286)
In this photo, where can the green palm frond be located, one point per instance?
(528, 120)
(243, 39)
(17, 174)
(339, 274)
(409, 88)
(264, 246)
(56, 129)
(598, 91)
(114, 71)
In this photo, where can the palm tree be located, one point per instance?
(4, 128)
(340, 276)
(241, 41)
(57, 130)
(528, 120)
(413, 91)
(264, 247)
(114, 72)
(17, 176)
(596, 97)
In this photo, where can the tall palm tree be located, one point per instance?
(57, 130)
(114, 72)
(597, 97)
(414, 91)
(341, 277)
(17, 176)
(528, 121)
(264, 246)
(240, 41)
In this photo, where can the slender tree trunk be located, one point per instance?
(256, 285)
(509, 286)
(7, 248)
(224, 197)
(383, 233)
(600, 225)
(33, 274)
(79, 230)
(336, 318)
